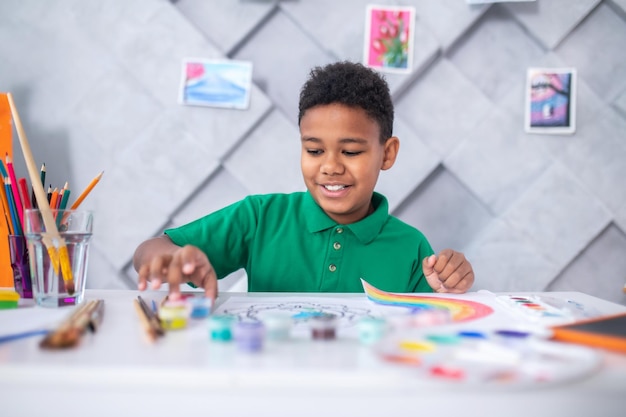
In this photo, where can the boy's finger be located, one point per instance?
(210, 285)
(432, 277)
(175, 275)
(447, 263)
(142, 277)
(158, 271)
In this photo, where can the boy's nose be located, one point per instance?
(332, 165)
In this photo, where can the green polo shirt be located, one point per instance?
(286, 242)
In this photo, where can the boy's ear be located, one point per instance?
(390, 153)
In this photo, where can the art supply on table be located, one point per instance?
(460, 310)
(277, 325)
(16, 224)
(24, 194)
(200, 306)
(423, 317)
(20, 266)
(87, 316)
(607, 332)
(14, 187)
(148, 318)
(9, 299)
(220, 327)
(323, 327)
(23, 335)
(544, 309)
(174, 315)
(42, 175)
(49, 282)
(487, 358)
(371, 329)
(249, 335)
(53, 241)
(86, 191)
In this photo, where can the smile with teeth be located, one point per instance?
(335, 187)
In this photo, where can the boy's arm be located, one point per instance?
(449, 271)
(160, 260)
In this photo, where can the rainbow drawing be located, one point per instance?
(460, 310)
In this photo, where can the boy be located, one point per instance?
(325, 239)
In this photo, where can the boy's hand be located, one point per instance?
(448, 272)
(187, 264)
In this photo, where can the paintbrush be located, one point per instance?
(68, 334)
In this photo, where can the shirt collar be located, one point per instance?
(365, 229)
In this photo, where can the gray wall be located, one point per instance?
(96, 83)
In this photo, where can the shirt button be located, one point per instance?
(337, 245)
(332, 268)
(339, 230)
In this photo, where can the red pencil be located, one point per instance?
(23, 186)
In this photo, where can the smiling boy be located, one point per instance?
(325, 239)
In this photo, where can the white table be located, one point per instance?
(117, 372)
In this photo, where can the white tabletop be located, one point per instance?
(118, 370)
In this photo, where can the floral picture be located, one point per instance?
(389, 38)
(550, 100)
(216, 83)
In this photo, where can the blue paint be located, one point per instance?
(512, 333)
(472, 334)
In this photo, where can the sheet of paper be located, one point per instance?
(29, 318)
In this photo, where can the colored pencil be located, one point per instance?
(16, 193)
(22, 335)
(3, 169)
(23, 187)
(5, 207)
(49, 193)
(65, 197)
(12, 207)
(42, 174)
(6, 211)
(87, 190)
(59, 255)
(54, 198)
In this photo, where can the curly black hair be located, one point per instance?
(351, 84)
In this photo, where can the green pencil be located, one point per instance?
(63, 205)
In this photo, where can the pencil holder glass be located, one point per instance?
(58, 254)
(20, 266)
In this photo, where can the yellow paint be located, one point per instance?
(416, 346)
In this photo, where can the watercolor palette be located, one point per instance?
(545, 309)
(493, 359)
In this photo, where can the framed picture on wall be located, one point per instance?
(389, 34)
(550, 100)
(216, 83)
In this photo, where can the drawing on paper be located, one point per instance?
(301, 309)
(550, 100)
(460, 310)
(389, 38)
(216, 83)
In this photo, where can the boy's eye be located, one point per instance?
(314, 151)
(352, 153)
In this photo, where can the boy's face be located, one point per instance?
(341, 159)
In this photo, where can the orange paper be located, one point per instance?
(6, 146)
